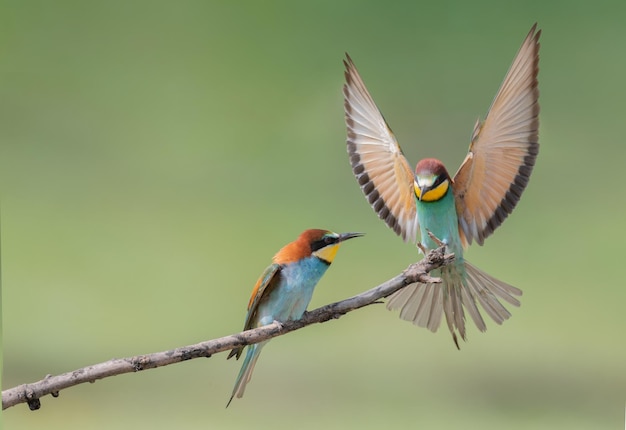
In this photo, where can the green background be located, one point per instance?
(155, 155)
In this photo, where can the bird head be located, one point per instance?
(322, 244)
(431, 180)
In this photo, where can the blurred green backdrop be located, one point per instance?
(156, 154)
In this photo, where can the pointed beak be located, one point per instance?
(346, 236)
(419, 189)
(423, 190)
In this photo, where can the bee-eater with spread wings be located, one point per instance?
(458, 210)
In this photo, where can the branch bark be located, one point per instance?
(31, 393)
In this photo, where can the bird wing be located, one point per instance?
(264, 285)
(502, 151)
(377, 161)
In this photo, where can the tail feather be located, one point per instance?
(454, 293)
(472, 309)
(420, 305)
(414, 302)
(417, 305)
(449, 311)
(462, 288)
(245, 374)
(499, 288)
(429, 309)
(480, 288)
(436, 310)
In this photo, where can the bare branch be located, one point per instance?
(31, 393)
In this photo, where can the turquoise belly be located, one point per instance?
(441, 220)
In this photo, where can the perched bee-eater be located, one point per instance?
(285, 288)
(456, 211)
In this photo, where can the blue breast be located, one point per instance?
(294, 291)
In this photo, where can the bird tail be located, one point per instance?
(245, 374)
(461, 288)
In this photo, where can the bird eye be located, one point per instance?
(323, 242)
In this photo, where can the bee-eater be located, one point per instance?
(459, 210)
(285, 288)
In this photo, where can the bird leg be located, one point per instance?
(435, 238)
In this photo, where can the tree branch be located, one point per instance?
(31, 393)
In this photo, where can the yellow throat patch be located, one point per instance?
(327, 253)
(432, 195)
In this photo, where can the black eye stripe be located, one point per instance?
(323, 242)
(438, 181)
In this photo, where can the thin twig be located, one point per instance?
(31, 393)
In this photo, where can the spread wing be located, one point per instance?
(377, 161)
(261, 289)
(503, 149)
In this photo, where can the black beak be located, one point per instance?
(422, 191)
(346, 236)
